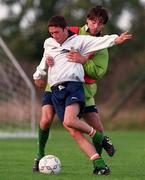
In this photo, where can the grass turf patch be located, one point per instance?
(16, 157)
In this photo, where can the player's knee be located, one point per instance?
(68, 123)
(45, 123)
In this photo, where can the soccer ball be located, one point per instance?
(49, 164)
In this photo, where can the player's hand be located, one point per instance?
(40, 83)
(76, 57)
(49, 61)
(123, 37)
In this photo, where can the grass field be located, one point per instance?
(16, 158)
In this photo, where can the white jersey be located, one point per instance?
(63, 70)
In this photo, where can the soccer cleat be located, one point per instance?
(102, 171)
(36, 165)
(108, 146)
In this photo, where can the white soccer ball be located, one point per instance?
(50, 164)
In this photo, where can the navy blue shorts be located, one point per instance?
(66, 94)
(90, 109)
(46, 99)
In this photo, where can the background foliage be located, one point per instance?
(28, 26)
(25, 29)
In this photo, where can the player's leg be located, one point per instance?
(87, 147)
(44, 127)
(83, 143)
(93, 119)
(68, 100)
(71, 119)
(90, 91)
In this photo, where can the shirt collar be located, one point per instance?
(70, 33)
(86, 28)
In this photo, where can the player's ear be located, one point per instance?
(67, 28)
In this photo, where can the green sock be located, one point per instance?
(42, 139)
(97, 141)
(98, 148)
(99, 162)
(98, 137)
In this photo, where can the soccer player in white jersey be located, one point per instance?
(65, 78)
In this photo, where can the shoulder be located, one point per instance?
(48, 42)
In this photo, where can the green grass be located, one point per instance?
(16, 158)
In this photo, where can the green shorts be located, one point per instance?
(90, 91)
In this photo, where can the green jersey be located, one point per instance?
(95, 68)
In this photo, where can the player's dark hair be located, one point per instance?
(98, 12)
(57, 21)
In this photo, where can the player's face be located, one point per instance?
(59, 34)
(95, 26)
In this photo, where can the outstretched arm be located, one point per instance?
(90, 44)
(123, 37)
